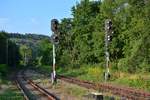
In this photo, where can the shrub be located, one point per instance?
(3, 69)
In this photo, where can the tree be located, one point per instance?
(3, 47)
(84, 14)
(26, 54)
(45, 52)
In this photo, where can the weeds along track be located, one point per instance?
(31, 90)
(126, 92)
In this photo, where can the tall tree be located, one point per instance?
(45, 52)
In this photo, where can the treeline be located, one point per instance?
(9, 54)
(34, 49)
(82, 38)
(18, 50)
(9, 51)
(27, 36)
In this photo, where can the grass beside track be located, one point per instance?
(95, 74)
(9, 91)
(10, 94)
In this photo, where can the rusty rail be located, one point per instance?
(127, 92)
(21, 89)
(27, 94)
(43, 91)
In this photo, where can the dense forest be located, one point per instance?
(82, 39)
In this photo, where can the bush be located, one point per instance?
(65, 60)
(3, 69)
(45, 68)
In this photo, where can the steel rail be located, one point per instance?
(26, 91)
(127, 92)
(21, 89)
(42, 90)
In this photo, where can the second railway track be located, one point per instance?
(126, 92)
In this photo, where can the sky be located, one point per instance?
(33, 16)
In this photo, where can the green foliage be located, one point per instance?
(3, 70)
(94, 74)
(3, 41)
(65, 59)
(85, 72)
(45, 52)
(78, 43)
(9, 51)
(27, 45)
(129, 49)
(134, 80)
(10, 94)
(26, 54)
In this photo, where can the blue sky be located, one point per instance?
(33, 16)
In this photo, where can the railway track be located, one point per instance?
(31, 90)
(126, 92)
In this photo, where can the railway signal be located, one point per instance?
(109, 30)
(55, 41)
(54, 25)
(108, 38)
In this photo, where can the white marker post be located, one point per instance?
(55, 41)
(54, 63)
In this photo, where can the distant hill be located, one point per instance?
(28, 36)
(28, 39)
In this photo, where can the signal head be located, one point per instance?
(55, 39)
(54, 25)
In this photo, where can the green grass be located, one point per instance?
(75, 90)
(45, 68)
(11, 94)
(71, 89)
(6, 91)
(3, 80)
(133, 80)
(95, 74)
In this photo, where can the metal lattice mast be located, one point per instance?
(108, 38)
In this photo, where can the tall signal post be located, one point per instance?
(55, 41)
(108, 37)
